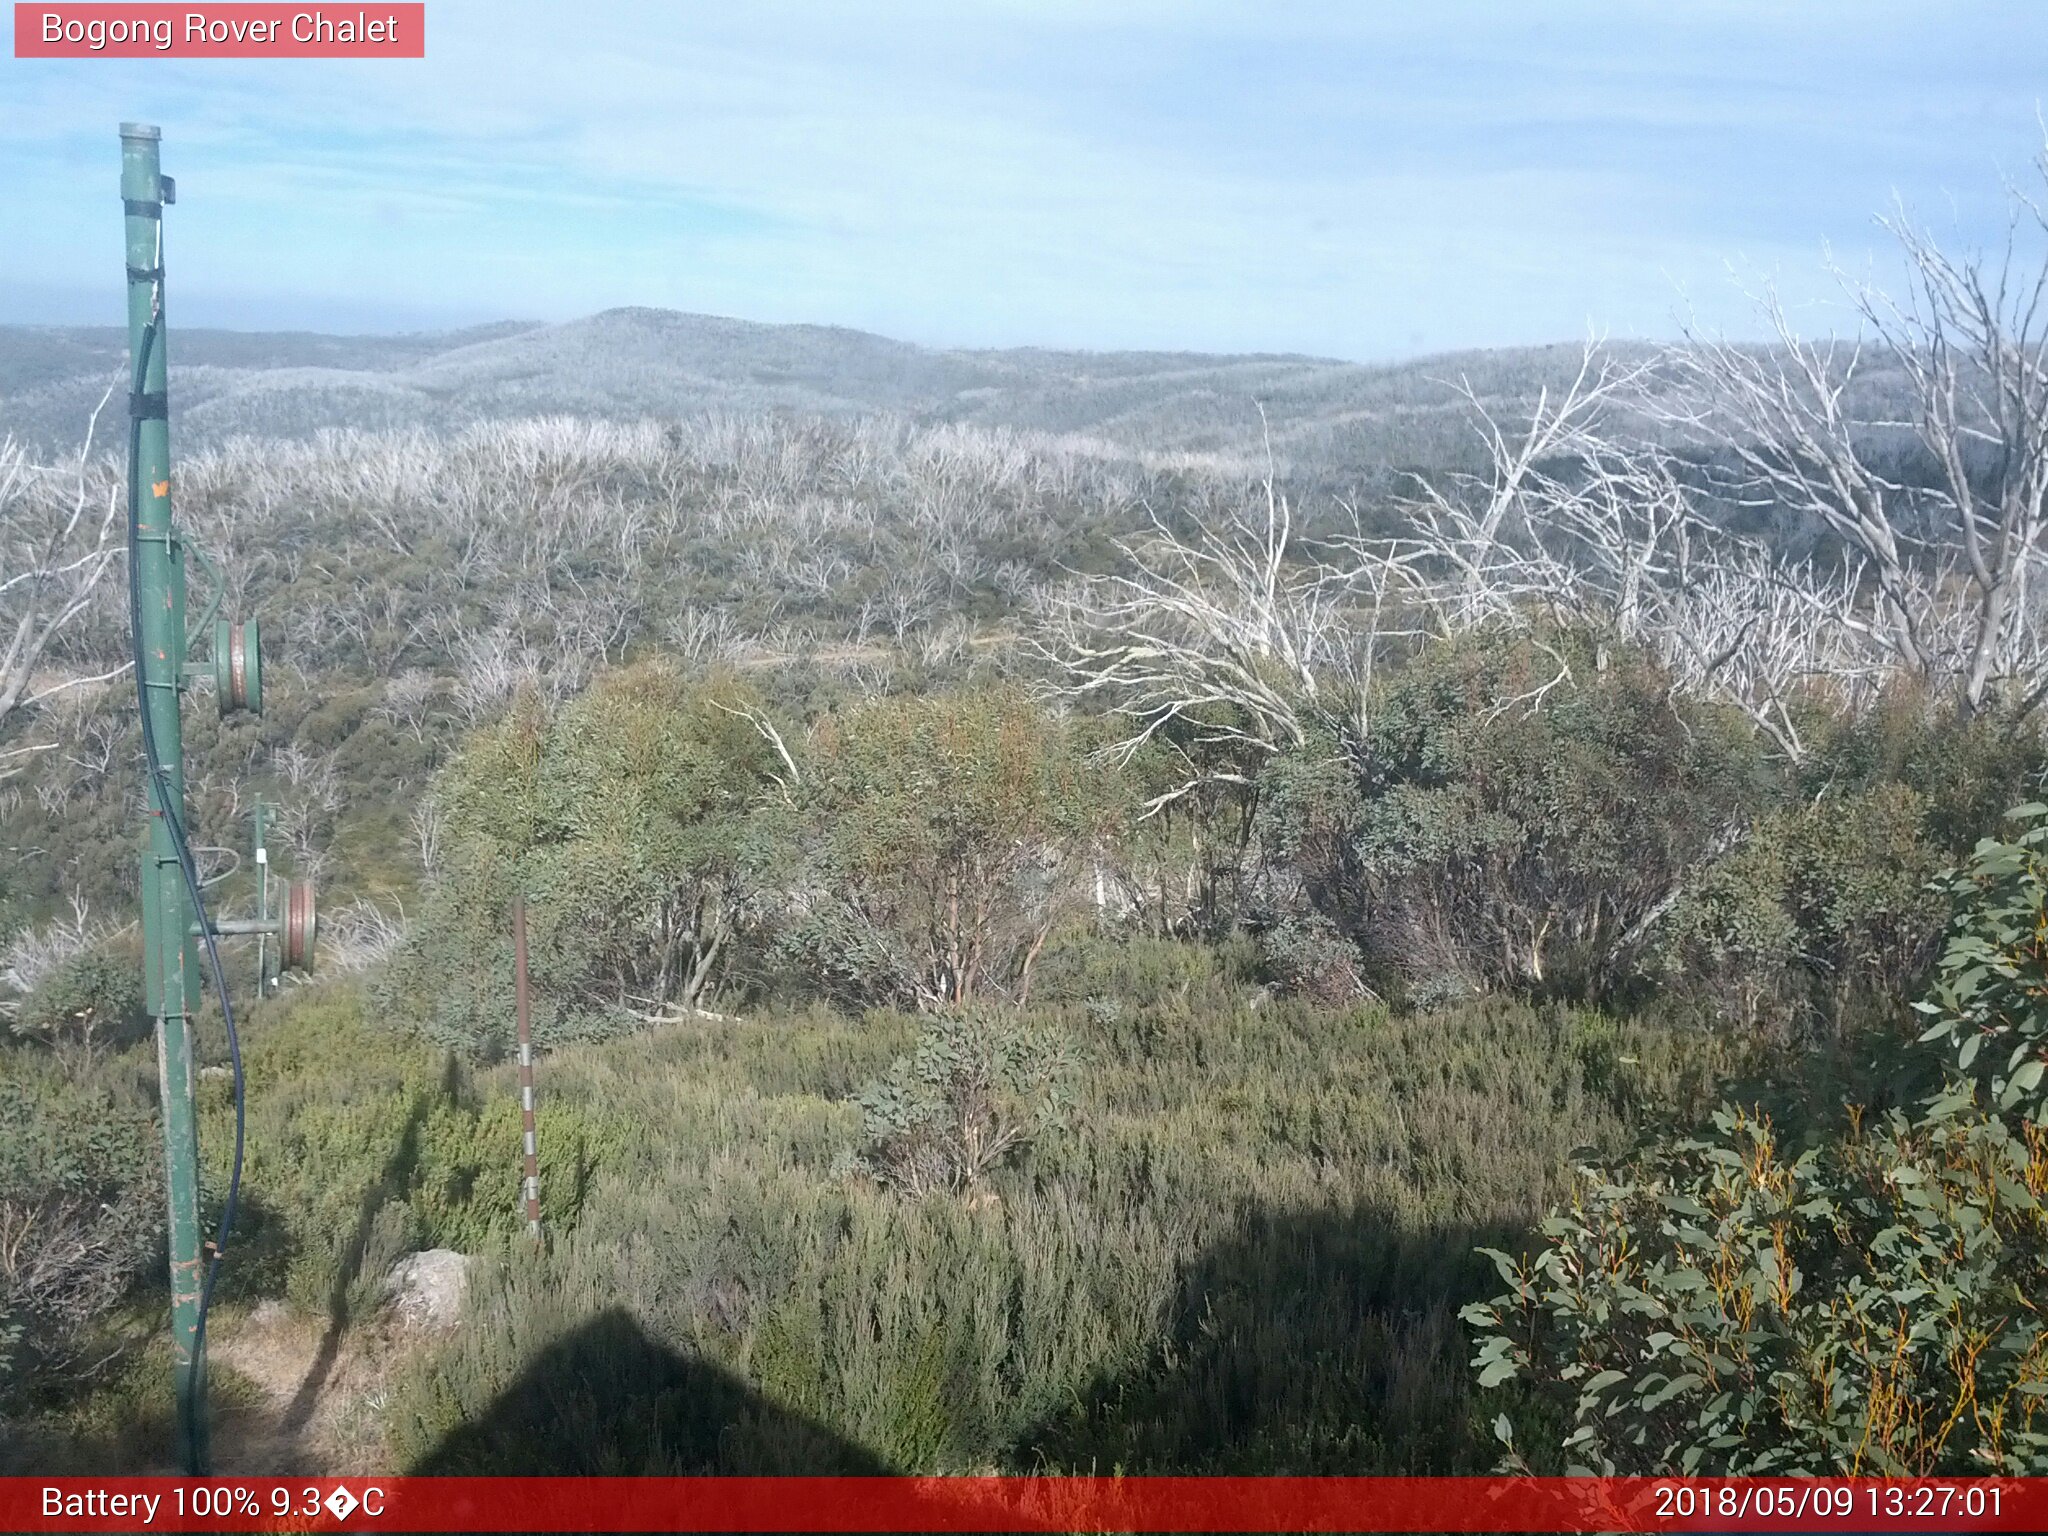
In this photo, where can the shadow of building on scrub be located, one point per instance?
(1308, 1343)
(1322, 1342)
(606, 1400)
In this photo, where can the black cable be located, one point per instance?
(173, 819)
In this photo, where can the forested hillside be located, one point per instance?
(1061, 940)
(1317, 414)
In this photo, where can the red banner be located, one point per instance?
(361, 31)
(870, 1504)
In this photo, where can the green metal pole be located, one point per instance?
(170, 956)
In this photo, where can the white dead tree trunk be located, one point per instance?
(1236, 632)
(1477, 539)
(1232, 630)
(1615, 543)
(1947, 553)
(1766, 635)
(1973, 340)
(55, 547)
(1782, 413)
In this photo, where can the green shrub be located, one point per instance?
(640, 821)
(1990, 999)
(1967, 771)
(1138, 971)
(981, 1087)
(1824, 911)
(1481, 839)
(81, 1210)
(1307, 954)
(1237, 1256)
(1594, 835)
(92, 1002)
(465, 1191)
(363, 1143)
(1863, 1302)
(951, 837)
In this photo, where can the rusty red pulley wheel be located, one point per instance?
(301, 926)
(238, 667)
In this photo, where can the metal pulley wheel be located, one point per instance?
(301, 926)
(237, 666)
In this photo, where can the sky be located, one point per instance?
(1367, 180)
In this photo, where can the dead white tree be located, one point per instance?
(1250, 639)
(1477, 540)
(33, 955)
(1782, 413)
(408, 701)
(1766, 634)
(1616, 536)
(704, 634)
(55, 547)
(1237, 630)
(360, 936)
(1973, 340)
(1233, 629)
(1610, 544)
(491, 668)
(1947, 546)
(429, 830)
(765, 728)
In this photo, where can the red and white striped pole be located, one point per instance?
(526, 1122)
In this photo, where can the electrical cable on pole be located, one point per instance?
(174, 907)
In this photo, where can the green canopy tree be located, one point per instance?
(643, 821)
(953, 834)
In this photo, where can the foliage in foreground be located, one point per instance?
(1870, 1302)
(80, 1209)
(1242, 1253)
(363, 1147)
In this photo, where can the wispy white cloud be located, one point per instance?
(1344, 179)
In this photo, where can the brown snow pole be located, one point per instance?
(526, 1123)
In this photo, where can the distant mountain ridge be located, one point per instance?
(1320, 413)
